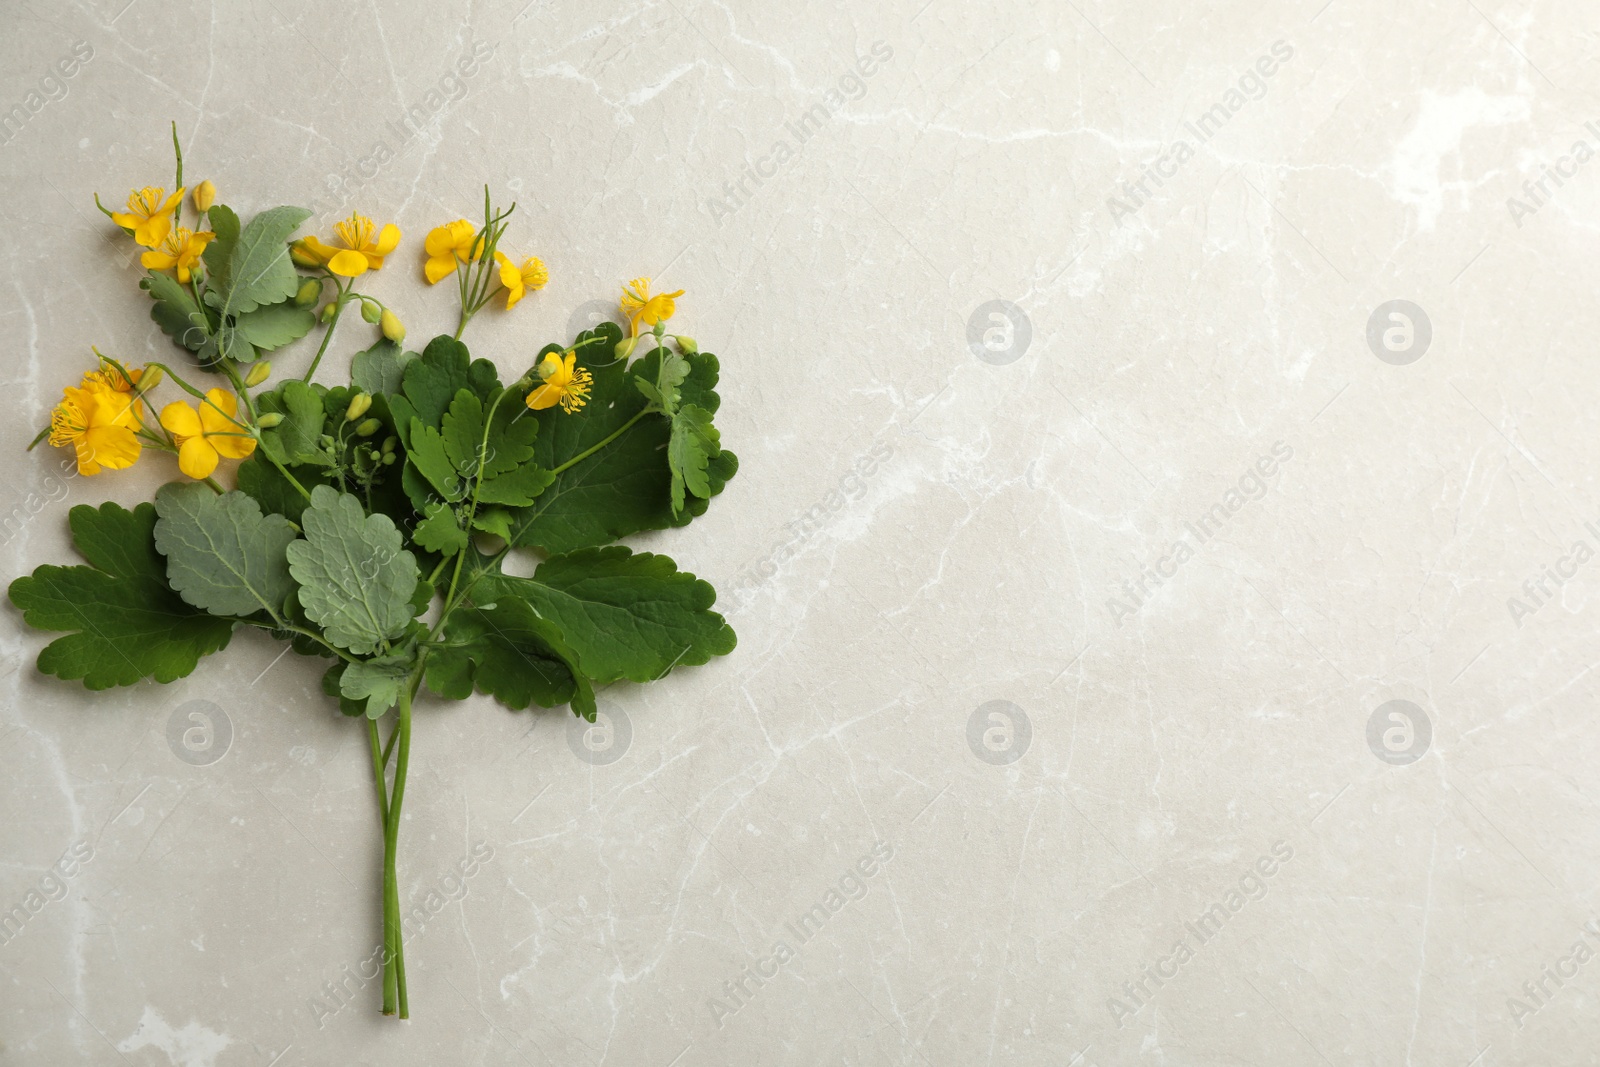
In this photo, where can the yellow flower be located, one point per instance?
(643, 309)
(531, 275)
(110, 377)
(205, 435)
(205, 194)
(564, 384)
(98, 422)
(181, 250)
(365, 246)
(448, 247)
(149, 214)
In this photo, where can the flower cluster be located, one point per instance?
(373, 518)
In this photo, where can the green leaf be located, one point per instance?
(518, 487)
(232, 344)
(625, 615)
(381, 368)
(462, 430)
(440, 532)
(376, 681)
(275, 325)
(176, 312)
(259, 269)
(219, 253)
(429, 454)
(694, 442)
(356, 578)
(625, 487)
(432, 382)
(123, 623)
(267, 485)
(222, 554)
(331, 679)
(508, 652)
(297, 439)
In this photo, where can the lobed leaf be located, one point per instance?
(223, 555)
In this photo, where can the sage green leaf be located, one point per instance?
(259, 270)
(440, 532)
(693, 443)
(381, 368)
(176, 312)
(624, 615)
(275, 325)
(222, 554)
(123, 623)
(331, 679)
(508, 652)
(233, 344)
(356, 578)
(376, 681)
(297, 439)
(218, 255)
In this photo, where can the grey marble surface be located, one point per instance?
(1096, 505)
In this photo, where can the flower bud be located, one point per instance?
(388, 458)
(329, 310)
(302, 256)
(150, 378)
(625, 347)
(389, 443)
(269, 420)
(367, 429)
(391, 326)
(358, 407)
(205, 194)
(258, 373)
(371, 311)
(660, 329)
(687, 345)
(308, 292)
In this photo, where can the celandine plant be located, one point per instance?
(371, 520)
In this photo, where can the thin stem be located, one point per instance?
(215, 488)
(586, 453)
(394, 977)
(377, 775)
(338, 309)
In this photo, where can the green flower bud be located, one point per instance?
(308, 292)
(687, 345)
(371, 311)
(625, 347)
(258, 373)
(358, 407)
(388, 458)
(269, 420)
(302, 256)
(389, 443)
(367, 429)
(329, 309)
(391, 326)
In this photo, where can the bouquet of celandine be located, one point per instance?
(371, 520)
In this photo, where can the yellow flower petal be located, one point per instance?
(348, 264)
(181, 420)
(388, 240)
(439, 267)
(197, 458)
(217, 413)
(113, 447)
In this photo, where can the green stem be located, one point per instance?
(586, 453)
(377, 775)
(394, 970)
(215, 488)
(338, 309)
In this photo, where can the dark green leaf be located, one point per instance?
(440, 532)
(123, 622)
(507, 651)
